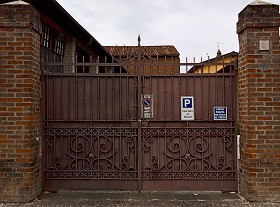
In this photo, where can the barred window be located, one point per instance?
(52, 40)
(46, 36)
(59, 44)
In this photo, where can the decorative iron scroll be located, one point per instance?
(188, 153)
(90, 153)
(167, 153)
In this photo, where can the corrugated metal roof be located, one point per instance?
(159, 50)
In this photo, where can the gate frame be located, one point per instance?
(139, 119)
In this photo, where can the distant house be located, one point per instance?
(63, 39)
(215, 65)
(163, 59)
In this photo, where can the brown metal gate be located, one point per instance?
(95, 138)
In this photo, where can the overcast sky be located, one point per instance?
(194, 27)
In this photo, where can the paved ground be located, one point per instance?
(134, 199)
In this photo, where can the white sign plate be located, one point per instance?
(147, 106)
(187, 108)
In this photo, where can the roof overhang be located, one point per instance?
(57, 13)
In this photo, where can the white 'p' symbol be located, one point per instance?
(187, 102)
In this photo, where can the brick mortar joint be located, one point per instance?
(246, 25)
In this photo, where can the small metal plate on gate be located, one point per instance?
(220, 113)
(147, 106)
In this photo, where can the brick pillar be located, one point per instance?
(259, 101)
(69, 53)
(20, 127)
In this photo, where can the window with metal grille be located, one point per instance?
(59, 44)
(46, 36)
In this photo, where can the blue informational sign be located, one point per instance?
(220, 113)
(187, 102)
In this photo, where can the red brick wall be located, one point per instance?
(259, 103)
(20, 170)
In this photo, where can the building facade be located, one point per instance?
(162, 59)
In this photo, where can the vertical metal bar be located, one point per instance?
(120, 98)
(84, 98)
(202, 68)
(223, 88)
(91, 97)
(127, 98)
(165, 67)
(98, 98)
(209, 70)
(106, 98)
(113, 97)
(105, 66)
(201, 97)
(47, 98)
(83, 64)
(143, 89)
(54, 87)
(180, 93)
(61, 98)
(76, 96)
(139, 116)
(172, 98)
(158, 95)
(209, 97)
(194, 97)
(234, 90)
(186, 64)
(165, 99)
(153, 98)
(216, 88)
(69, 99)
(97, 67)
(234, 110)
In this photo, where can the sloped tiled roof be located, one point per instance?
(161, 50)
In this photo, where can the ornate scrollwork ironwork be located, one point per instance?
(111, 153)
(188, 153)
(91, 150)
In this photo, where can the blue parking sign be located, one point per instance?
(187, 102)
(187, 108)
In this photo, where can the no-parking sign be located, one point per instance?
(147, 106)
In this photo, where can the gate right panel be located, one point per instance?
(189, 155)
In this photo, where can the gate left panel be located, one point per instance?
(90, 132)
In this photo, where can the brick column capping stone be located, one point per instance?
(259, 101)
(20, 124)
